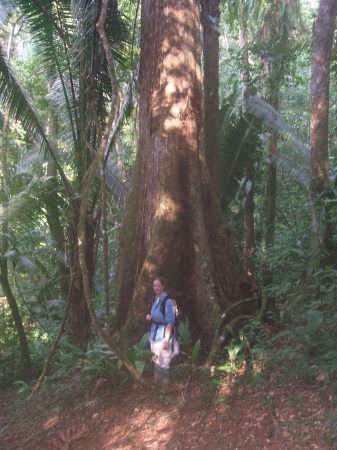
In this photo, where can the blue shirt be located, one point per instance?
(158, 316)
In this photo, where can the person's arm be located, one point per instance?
(168, 331)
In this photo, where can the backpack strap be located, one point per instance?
(162, 310)
(163, 304)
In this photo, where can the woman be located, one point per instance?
(162, 341)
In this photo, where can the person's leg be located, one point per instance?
(155, 351)
(163, 361)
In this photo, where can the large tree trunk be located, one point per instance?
(210, 17)
(173, 224)
(319, 122)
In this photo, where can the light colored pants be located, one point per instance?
(163, 357)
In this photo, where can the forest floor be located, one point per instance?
(201, 412)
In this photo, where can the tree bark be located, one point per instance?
(105, 242)
(173, 224)
(319, 122)
(210, 17)
(79, 316)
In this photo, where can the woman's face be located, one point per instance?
(158, 287)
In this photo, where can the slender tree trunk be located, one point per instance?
(244, 58)
(24, 349)
(173, 224)
(105, 242)
(248, 211)
(319, 125)
(271, 191)
(79, 322)
(277, 32)
(249, 242)
(272, 173)
(79, 316)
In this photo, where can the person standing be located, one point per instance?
(163, 345)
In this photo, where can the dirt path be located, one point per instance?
(199, 414)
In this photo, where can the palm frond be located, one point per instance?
(14, 96)
(24, 208)
(272, 118)
(22, 108)
(115, 182)
(6, 7)
(25, 262)
(59, 97)
(239, 144)
(50, 24)
(295, 156)
(294, 164)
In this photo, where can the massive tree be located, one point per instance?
(173, 223)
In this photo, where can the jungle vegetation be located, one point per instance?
(195, 140)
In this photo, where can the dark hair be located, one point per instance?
(161, 279)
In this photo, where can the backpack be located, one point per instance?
(177, 312)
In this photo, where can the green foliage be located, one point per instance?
(185, 336)
(251, 344)
(10, 357)
(58, 74)
(25, 388)
(233, 357)
(314, 319)
(240, 144)
(195, 351)
(332, 427)
(99, 361)
(306, 350)
(305, 347)
(32, 257)
(186, 343)
(138, 353)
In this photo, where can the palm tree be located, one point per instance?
(83, 98)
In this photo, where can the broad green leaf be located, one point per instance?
(140, 366)
(195, 351)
